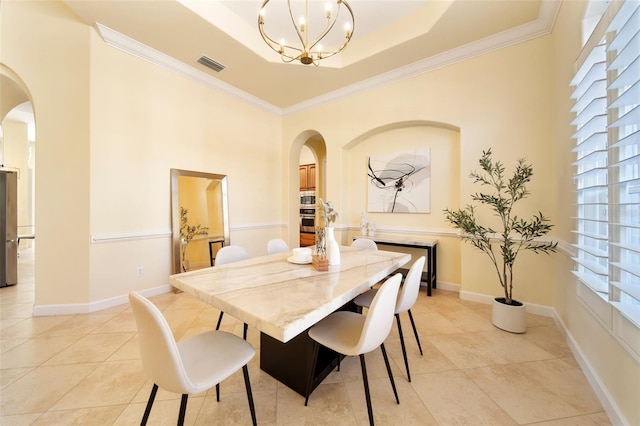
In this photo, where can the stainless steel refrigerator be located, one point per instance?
(8, 228)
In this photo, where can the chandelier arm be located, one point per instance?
(277, 47)
(274, 45)
(330, 27)
(326, 31)
(293, 21)
(288, 59)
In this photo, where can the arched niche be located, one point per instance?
(443, 141)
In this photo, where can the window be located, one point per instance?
(607, 171)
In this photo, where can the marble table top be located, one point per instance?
(283, 299)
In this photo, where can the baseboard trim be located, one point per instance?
(608, 402)
(442, 285)
(532, 308)
(87, 308)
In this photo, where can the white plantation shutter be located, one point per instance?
(590, 96)
(623, 50)
(607, 172)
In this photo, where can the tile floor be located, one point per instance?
(85, 370)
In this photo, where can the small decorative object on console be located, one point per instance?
(328, 216)
(363, 223)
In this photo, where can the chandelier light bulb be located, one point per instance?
(347, 29)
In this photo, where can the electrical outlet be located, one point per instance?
(140, 271)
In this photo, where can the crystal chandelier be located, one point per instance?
(311, 26)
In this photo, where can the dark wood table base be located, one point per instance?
(290, 362)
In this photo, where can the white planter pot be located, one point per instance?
(511, 318)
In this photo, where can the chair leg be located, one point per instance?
(183, 409)
(415, 331)
(147, 410)
(219, 320)
(312, 370)
(247, 384)
(365, 382)
(244, 336)
(404, 349)
(386, 362)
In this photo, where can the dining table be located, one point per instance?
(282, 298)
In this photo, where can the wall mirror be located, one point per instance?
(199, 218)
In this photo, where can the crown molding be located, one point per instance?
(540, 27)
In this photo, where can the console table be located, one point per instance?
(430, 276)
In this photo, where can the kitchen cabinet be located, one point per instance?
(307, 177)
(307, 239)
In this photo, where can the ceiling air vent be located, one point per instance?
(210, 63)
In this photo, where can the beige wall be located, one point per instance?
(146, 121)
(499, 100)
(110, 126)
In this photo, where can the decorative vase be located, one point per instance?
(333, 248)
(371, 228)
(511, 318)
(363, 223)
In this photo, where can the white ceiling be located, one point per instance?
(392, 39)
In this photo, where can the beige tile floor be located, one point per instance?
(85, 370)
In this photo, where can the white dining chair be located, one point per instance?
(351, 334)
(188, 367)
(406, 299)
(364, 243)
(230, 254)
(277, 245)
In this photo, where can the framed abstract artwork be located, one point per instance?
(399, 182)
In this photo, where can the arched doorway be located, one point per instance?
(17, 156)
(312, 141)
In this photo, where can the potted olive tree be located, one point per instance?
(502, 246)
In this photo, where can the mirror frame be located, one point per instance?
(175, 212)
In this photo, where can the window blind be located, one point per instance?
(606, 93)
(623, 50)
(590, 96)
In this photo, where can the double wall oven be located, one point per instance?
(308, 211)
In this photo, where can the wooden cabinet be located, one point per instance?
(307, 177)
(307, 239)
